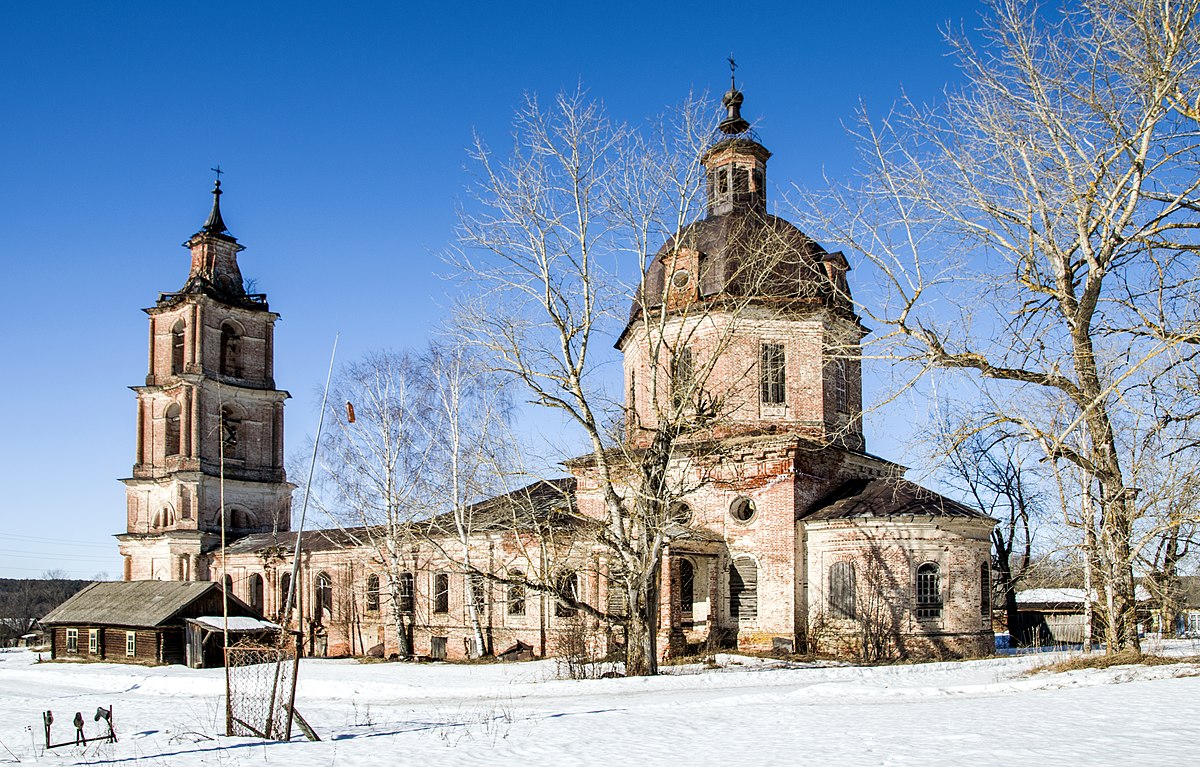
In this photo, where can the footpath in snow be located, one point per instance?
(985, 712)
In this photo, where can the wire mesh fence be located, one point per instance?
(261, 686)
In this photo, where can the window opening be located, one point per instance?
(771, 374)
(177, 348)
(285, 584)
(687, 585)
(94, 641)
(231, 351)
(682, 377)
(372, 593)
(478, 590)
(72, 640)
(130, 643)
(230, 423)
(256, 592)
(567, 587)
(929, 591)
(985, 589)
(742, 509)
(324, 597)
(743, 589)
(441, 593)
(516, 594)
(842, 590)
(173, 429)
(407, 594)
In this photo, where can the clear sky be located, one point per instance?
(343, 131)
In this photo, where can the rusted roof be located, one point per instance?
(140, 604)
(543, 502)
(887, 497)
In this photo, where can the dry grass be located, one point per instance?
(1097, 661)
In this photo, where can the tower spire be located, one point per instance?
(215, 224)
(734, 123)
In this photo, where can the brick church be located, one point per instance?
(812, 542)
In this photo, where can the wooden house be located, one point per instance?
(143, 622)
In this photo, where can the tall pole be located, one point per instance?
(291, 597)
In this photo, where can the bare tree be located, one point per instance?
(1037, 230)
(579, 201)
(373, 465)
(992, 470)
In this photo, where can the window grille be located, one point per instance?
(516, 594)
(372, 593)
(408, 602)
(682, 377)
(929, 592)
(771, 374)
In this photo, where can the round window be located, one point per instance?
(681, 278)
(680, 513)
(742, 509)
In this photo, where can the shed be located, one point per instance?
(134, 621)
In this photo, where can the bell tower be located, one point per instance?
(209, 419)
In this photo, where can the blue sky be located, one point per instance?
(343, 133)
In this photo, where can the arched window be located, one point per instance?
(687, 585)
(567, 587)
(743, 589)
(516, 594)
(256, 592)
(231, 421)
(173, 429)
(177, 348)
(228, 584)
(323, 597)
(985, 589)
(929, 591)
(441, 592)
(165, 517)
(285, 585)
(231, 350)
(238, 519)
(683, 377)
(372, 593)
(841, 590)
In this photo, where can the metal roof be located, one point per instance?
(141, 604)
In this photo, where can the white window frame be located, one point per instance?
(93, 641)
(72, 640)
(130, 643)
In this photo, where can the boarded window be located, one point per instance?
(771, 374)
(173, 429)
(256, 592)
(567, 587)
(441, 593)
(743, 589)
(372, 593)
(516, 594)
(437, 647)
(683, 376)
(929, 592)
(324, 597)
(177, 348)
(841, 590)
(618, 596)
(408, 602)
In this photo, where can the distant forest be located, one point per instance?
(25, 600)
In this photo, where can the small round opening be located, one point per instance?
(742, 509)
(681, 278)
(680, 513)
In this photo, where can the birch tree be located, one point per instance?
(1036, 231)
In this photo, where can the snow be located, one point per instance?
(1067, 596)
(236, 623)
(985, 712)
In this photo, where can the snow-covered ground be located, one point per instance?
(987, 712)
